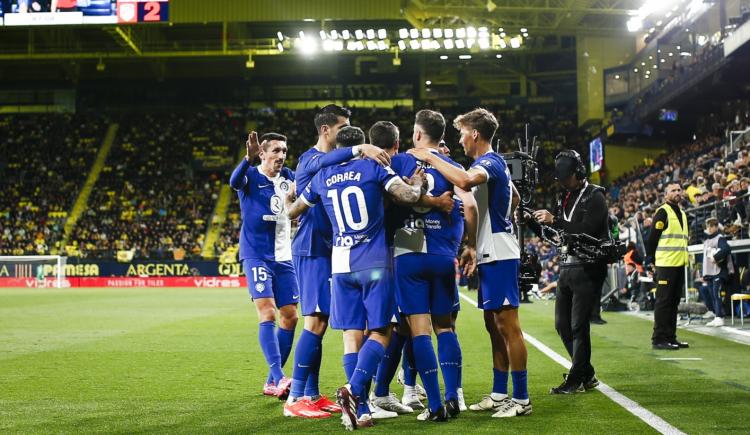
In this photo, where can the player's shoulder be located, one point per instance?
(287, 173)
(403, 163)
(491, 162)
(449, 160)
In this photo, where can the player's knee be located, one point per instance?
(267, 314)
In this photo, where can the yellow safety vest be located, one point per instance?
(673, 243)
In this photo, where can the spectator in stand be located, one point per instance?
(717, 267)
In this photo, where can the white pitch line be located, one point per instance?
(681, 359)
(630, 405)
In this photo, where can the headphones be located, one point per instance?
(580, 172)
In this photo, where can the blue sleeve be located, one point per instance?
(490, 166)
(311, 194)
(384, 175)
(339, 155)
(724, 250)
(239, 179)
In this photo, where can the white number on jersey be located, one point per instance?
(343, 201)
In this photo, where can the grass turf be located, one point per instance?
(187, 360)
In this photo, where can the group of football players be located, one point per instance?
(375, 255)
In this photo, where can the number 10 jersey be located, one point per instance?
(352, 194)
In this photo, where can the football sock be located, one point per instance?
(349, 362)
(304, 360)
(312, 387)
(286, 339)
(428, 370)
(520, 385)
(409, 365)
(367, 363)
(500, 382)
(449, 354)
(270, 347)
(388, 365)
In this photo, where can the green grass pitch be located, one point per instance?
(187, 360)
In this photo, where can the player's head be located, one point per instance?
(477, 128)
(429, 127)
(272, 151)
(350, 136)
(385, 135)
(444, 150)
(329, 120)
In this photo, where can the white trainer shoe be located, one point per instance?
(487, 404)
(709, 315)
(511, 408)
(390, 403)
(379, 413)
(411, 399)
(717, 321)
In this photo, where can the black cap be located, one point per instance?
(565, 167)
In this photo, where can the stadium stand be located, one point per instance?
(158, 190)
(44, 160)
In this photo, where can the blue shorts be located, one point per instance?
(271, 279)
(314, 281)
(498, 285)
(426, 284)
(362, 300)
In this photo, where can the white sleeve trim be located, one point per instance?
(306, 201)
(391, 181)
(483, 170)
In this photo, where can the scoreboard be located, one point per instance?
(142, 11)
(73, 12)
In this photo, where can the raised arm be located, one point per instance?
(238, 179)
(457, 176)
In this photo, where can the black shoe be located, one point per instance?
(590, 383)
(440, 415)
(452, 407)
(599, 321)
(681, 344)
(665, 346)
(569, 386)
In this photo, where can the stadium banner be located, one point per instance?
(83, 268)
(124, 282)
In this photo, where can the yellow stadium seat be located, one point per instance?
(739, 297)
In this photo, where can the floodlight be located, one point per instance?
(426, 33)
(370, 34)
(382, 34)
(403, 33)
(448, 44)
(402, 44)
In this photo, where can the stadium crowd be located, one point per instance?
(44, 161)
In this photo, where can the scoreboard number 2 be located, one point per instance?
(152, 11)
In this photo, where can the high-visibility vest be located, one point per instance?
(673, 243)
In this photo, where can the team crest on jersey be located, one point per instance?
(277, 204)
(284, 186)
(259, 287)
(486, 163)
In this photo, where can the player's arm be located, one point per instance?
(238, 179)
(295, 206)
(455, 175)
(515, 199)
(468, 259)
(406, 192)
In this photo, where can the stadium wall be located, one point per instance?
(622, 158)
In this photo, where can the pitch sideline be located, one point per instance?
(630, 405)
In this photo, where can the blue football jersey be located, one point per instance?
(314, 232)
(495, 237)
(266, 230)
(423, 229)
(352, 195)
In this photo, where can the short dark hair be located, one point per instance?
(383, 134)
(432, 123)
(349, 136)
(481, 120)
(271, 136)
(329, 115)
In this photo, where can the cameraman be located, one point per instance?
(581, 208)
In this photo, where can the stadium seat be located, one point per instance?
(741, 297)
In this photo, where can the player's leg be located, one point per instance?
(286, 293)
(382, 397)
(442, 302)
(460, 383)
(260, 287)
(509, 326)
